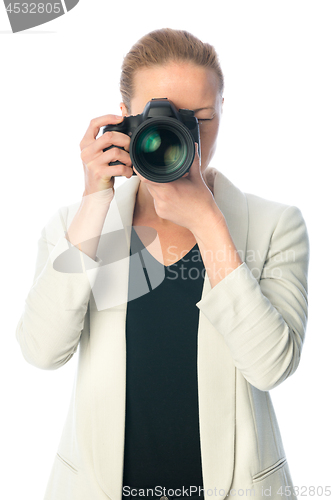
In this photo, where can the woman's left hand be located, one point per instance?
(186, 201)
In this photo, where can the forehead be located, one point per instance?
(187, 85)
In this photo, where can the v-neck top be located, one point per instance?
(162, 441)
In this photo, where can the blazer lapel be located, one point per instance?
(216, 370)
(108, 341)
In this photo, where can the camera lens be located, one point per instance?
(162, 149)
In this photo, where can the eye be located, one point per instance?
(201, 121)
(205, 117)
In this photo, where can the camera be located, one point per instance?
(162, 146)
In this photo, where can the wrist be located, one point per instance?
(98, 198)
(211, 219)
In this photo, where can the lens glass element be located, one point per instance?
(161, 149)
(151, 142)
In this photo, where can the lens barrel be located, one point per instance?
(162, 149)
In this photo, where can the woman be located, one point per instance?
(171, 396)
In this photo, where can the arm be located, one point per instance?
(50, 327)
(264, 323)
(214, 240)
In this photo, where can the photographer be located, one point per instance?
(173, 380)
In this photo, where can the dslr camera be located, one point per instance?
(162, 146)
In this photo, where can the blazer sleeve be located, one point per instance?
(264, 322)
(50, 326)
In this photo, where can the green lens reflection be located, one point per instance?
(172, 154)
(151, 142)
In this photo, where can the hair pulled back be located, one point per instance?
(160, 47)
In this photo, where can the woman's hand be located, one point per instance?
(187, 201)
(98, 174)
(86, 227)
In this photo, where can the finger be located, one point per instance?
(116, 171)
(106, 140)
(95, 125)
(114, 154)
(195, 169)
(197, 152)
(197, 159)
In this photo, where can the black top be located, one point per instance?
(162, 446)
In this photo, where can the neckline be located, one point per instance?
(178, 261)
(160, 263)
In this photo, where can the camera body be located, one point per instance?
(162, 146)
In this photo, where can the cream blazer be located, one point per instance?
(250, 336)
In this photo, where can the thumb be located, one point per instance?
(195, 170)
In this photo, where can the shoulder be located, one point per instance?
(278, 230)
(58, 222)
(261, 212)
(271, 213)
(267, 223)
(263, 209)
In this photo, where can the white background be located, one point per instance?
(275, 141)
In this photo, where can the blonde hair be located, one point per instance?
(160, 47)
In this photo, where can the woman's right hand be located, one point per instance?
(98, 174)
